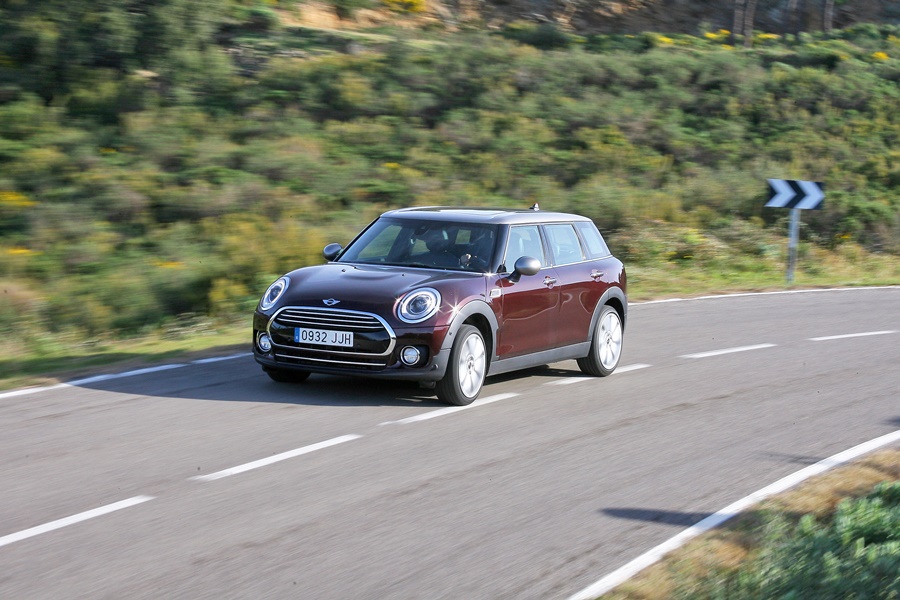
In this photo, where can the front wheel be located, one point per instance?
(606, 347)
(466, 370)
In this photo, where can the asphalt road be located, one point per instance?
(210, 481)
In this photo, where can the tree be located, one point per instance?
(828, 16)
(744, 17)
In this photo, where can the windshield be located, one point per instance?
(427, 244)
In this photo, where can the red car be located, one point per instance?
(446, 297)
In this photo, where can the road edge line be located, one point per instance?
(655, 554)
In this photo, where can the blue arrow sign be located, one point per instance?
(787, 193)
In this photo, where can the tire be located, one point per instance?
(466, 369)
(287, 376)
(606, 346)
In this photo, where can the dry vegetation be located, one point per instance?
(694, 570)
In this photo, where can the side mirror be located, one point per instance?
(525, 265)
(331, 251)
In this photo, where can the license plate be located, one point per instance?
(323, 337)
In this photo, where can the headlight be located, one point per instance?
(419, 305)
(274, 292)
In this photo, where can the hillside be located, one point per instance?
(175, 161)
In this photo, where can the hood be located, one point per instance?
(368, 287)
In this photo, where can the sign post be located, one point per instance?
(796, 195)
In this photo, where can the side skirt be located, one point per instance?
(505, 365)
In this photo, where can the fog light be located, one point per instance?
(264, 342)
(410, 355)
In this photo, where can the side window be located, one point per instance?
(524, 240)
(564, 244)
(596, 247)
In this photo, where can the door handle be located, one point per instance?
(550, 281)
(595, 274)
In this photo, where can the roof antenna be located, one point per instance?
(535, 206)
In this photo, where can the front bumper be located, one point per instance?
(375, 352)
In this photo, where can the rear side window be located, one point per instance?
(564, 244)
(596, 247)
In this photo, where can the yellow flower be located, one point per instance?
(15, 200)
(880, 56)
(169, 264)
(17, 251)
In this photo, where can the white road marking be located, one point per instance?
(728, 351)
(263, 462)
(110, 376)
(571, 380)
(450, 410)
(60, 523)
(146, 371)
(215, 359)
(746, 294)
(850, 335)
(627, 571)
(33, 390)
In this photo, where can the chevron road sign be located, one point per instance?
(787, 193)
(797, 196)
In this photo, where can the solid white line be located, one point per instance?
(652, 556)
(746, 294)
(449, 410)
(571, 380)
(728, 351)
(60, 523)
(849, 335)
(263, 462)
(34, 390)
(90, 380)
(215, 359)
(146, 371)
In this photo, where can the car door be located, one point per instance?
(580, 282)
(529, 306)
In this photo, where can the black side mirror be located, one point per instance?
(331, 251)
(525, 265)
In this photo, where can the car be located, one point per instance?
(448, 296)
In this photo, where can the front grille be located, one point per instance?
(373, 339)
(329, 318)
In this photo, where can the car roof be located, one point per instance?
(502, 216)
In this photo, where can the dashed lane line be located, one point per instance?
(571, 380)
(850, 335)
(263, 462)
(65, 522)
(450, 410)
(728, 351)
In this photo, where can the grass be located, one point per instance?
(46, 359)
(729, 561)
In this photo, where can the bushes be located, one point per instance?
(201, 182)
(856, 554)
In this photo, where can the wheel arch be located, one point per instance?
(615, 298)
(480, 315)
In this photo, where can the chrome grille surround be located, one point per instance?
(368, 328)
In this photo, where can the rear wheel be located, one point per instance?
(287, 376)
(466, 370)
(606, 347)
